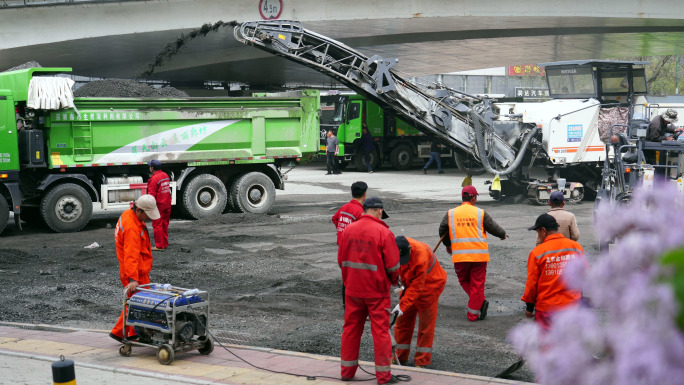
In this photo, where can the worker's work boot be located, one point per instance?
(483, 310)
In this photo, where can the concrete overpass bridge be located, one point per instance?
(120, 38)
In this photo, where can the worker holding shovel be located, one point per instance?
(424, 279)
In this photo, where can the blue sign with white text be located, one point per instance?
(574, 132)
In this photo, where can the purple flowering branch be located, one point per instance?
(631, 335)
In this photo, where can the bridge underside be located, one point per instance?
(424, 45)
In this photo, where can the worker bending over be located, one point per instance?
(423, 279)
(369, 259)
(467, 227)
(545, 291)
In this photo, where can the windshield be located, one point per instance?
(332, 110)
(570, 82)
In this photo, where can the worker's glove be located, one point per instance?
(398, 311)
(399, 289)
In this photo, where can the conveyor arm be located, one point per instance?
(443, 113)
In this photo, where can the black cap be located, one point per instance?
(546, 221)
(374, 203)
(404, 249)
(155, 163)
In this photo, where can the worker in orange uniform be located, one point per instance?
(423, 279)
(133, 250)
(158, 187)
(467, 227)
(369, 259)
(545, 291)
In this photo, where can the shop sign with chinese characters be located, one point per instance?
(531, 93)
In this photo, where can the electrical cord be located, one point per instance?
(401, 377)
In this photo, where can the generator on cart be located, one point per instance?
(169, 318)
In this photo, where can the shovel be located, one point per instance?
(511, 369)
(394, 341)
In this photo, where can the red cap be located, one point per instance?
(469, 190)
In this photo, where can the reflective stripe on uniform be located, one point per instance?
(465, 240)
(432, 264)
(423, 350)
(471, 311)
(349, 363)
(393, 269)
(480, 213)
(382, 368)
(403, 346)
(559, 251)
(361, 266)
(346, 213)
(471, 251)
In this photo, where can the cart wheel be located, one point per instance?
(125, 350)
(165, 354)
(208, 345)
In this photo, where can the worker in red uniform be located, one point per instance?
(423, 279)
(133, 250)
(545, 291)
(158, 187)
(467, 227)
(369, 259)
(350, 212)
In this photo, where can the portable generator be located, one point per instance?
(169, 318)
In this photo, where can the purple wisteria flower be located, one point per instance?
(631, 336)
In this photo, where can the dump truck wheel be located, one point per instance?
(361, 166)
(205, 195)
(4, 213)
(253, 192)
(401, 157)
(66, 208)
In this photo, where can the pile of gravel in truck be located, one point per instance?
(124, 88)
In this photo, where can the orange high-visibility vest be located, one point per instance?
(467, 234)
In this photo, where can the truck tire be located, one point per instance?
(205, 195)
(253, 192)
(4, 213)
(66, 208)
(401, 157)
(361, 166)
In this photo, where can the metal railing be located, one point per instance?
(41, 3)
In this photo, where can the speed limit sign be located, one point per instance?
(270, 9)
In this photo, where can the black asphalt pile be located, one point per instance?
(28, 64)
(174, 47)
(124, 88)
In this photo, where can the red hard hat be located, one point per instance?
(469, 190)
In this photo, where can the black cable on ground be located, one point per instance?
(308, 377)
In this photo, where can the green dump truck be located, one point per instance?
(60, 155)
(395, 140)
